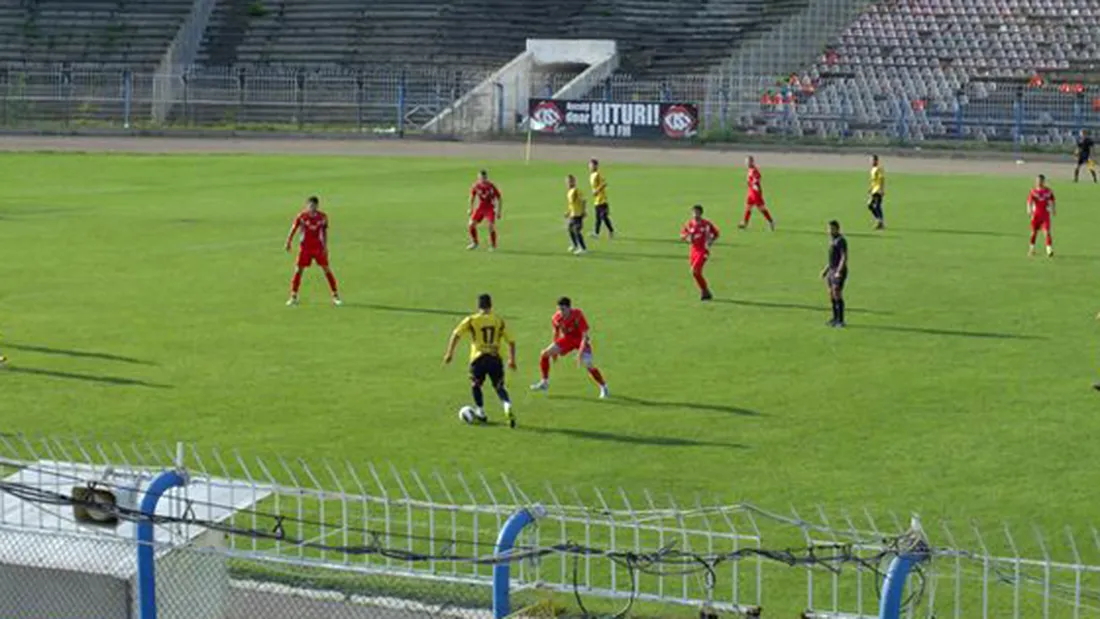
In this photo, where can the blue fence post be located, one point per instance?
(401, 104)
(893, 585)
(958, 115)
(1018, 120)
(127, 97)
(146, 564)
(1078, 112)
(725, 114)
(608, 92)
(506, 540)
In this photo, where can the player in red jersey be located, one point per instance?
(570, 333)
(754, 198)
(313, 225)
(701, 234)
(1040, 206)
(488, 207)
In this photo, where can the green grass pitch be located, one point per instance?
(143, 297)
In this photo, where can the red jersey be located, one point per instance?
(755, 189)
(1040, 199)
(700, 233)
(486, 193)
(572, 328)
(314, 229)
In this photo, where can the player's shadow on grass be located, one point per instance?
(847, 232)
(406, 310)
(948, 332)
(663, 241)
(591, 255)
(653, 441)
(960, 232)
(796, 306)
(91, 378)
(80, 354)
(597, 254)
(625, 400)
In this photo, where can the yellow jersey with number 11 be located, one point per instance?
(487, 334)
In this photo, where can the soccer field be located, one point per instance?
(144, 297)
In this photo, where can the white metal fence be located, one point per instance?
(298, 532)
(395, 101)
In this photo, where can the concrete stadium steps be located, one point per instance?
(689, 37)
(109, 32)
(656, 37)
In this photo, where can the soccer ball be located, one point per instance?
(467, 414)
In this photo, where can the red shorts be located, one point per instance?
(1040, 222)
(309, 255)
(699, 258)
(568, 345)
(484, 212)
(756, 200)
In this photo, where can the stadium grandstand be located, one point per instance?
(931, 59)
(907, 68)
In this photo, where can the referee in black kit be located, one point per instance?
(1084, 156)
(835, 272)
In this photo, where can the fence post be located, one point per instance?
(1078, 111)
(240, 96)
(893, 586)
(67, 92)
(5, 79)
(300, 95)
(499, 88)
(401, 105)
(359, 83)
(146, 564)
(958, 115)
(127, 97)
(506, 539)
(608, 93)
(1018, 119)
(185, 79)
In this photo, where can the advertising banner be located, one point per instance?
(606, 119)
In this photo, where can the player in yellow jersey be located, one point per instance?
(487, 334)
(574, 216)
(878, 188)
(599, 198)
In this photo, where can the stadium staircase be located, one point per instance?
(656, 38)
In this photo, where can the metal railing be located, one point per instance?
(399, 101)
(356, 527)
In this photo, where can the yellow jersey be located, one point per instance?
(599, 187)
(878, 179)
(574, 203)
(487, 334)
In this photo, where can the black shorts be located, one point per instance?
(1083, 159)
(489, 366)
(876, 201)
(837, 281)
(603, 209)
(576, 222)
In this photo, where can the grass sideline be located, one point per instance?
(152, 306)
